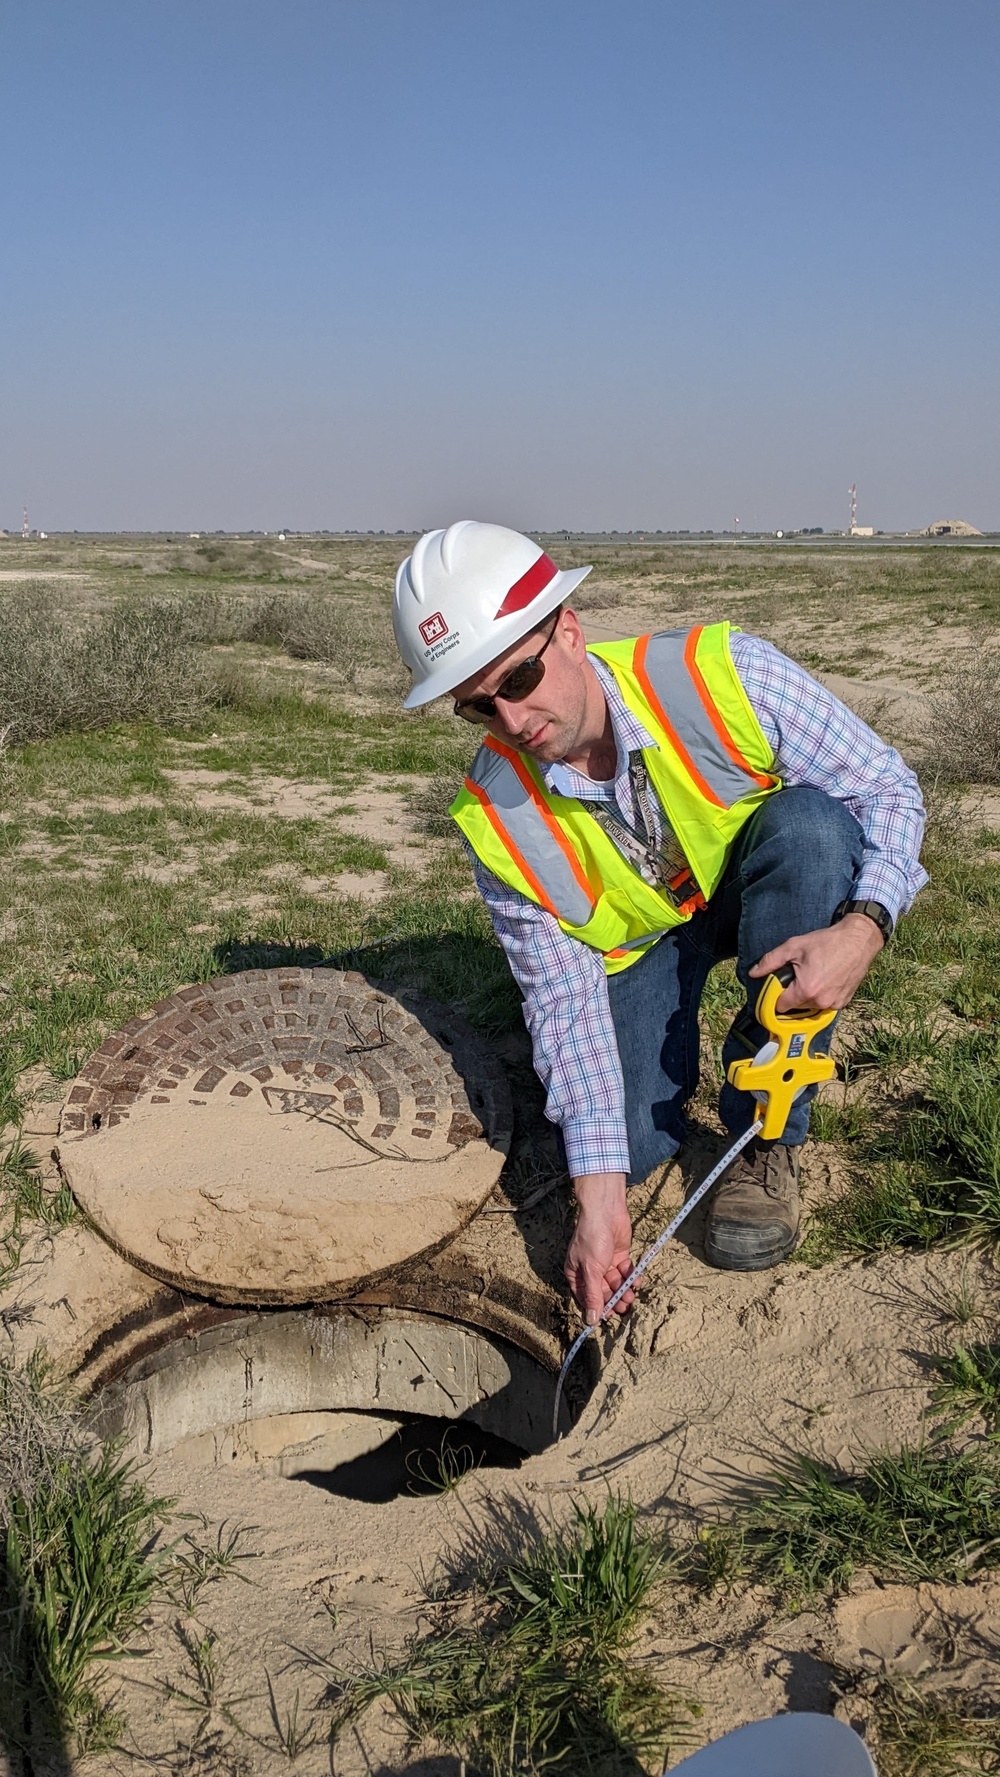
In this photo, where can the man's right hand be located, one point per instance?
(599, 1257)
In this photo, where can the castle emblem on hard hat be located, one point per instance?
(433, 628)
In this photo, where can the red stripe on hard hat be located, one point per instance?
(539, 575)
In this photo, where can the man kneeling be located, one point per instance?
(638, 811)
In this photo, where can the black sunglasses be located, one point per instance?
(520, 682)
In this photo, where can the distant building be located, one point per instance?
(861, 530)
(952, 527)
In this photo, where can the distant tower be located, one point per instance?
(854, 506)
(25, 533)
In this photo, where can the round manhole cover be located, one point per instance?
(280, 1135)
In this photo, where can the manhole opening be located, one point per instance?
(422, 1458)
(368, 1406)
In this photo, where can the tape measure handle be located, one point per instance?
(774, 986)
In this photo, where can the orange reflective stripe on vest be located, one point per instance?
(690, 660)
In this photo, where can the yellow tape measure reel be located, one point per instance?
(780, 1070)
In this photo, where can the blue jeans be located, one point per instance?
(791, 865)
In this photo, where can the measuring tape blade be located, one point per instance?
(647, 1259)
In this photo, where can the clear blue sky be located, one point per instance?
(584, 263)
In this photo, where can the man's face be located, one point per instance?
(548, 722)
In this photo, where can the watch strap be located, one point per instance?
(873, 910)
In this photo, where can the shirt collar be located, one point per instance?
(630, 737)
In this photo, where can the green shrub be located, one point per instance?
(213, 617)
(134, 664)
(354, 640)
(330, 627)
(964, 730)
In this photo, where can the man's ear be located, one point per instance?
(573, 631)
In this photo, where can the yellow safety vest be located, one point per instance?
(711, 767)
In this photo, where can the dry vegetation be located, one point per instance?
(194, 731)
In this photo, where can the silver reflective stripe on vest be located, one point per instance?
(529, 834)
(677, 692)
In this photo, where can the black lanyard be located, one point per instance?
(658, 863)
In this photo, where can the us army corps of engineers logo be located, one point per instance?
(438, 638)
(433, 628)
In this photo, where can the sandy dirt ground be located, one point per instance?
(713, 1381)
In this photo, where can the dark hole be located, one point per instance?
(95, 1121)
(789, 1074)
(424, 1457)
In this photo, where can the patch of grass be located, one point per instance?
(24, 1200)
(431, 802)
(717, 1559)
(964, 1304)
(888, 1203)
(508, 1710)
(442, 1469)
(193, 1564)
(933, 1171)
(919, 1514)
(847, 1123)
(77, 1573)
(969, 1387)
(909, 1036)
(976, 993)
(963, 1124)
(540, 1681)
(591, 1577)
(917, 1732)
(721, 1001)
(291, 1737)
(206, 1694)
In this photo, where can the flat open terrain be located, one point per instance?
(207, 769)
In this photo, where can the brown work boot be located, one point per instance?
(754, 1216)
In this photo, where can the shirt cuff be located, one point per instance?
(595, 1147)
(888, 886)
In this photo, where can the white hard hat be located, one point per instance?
(464, 595)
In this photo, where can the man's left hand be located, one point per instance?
(829, 965)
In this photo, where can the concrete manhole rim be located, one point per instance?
(305, 1360)
(403, 1083)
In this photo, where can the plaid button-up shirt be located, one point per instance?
(818, 742)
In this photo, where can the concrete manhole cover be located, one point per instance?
(281, 1135)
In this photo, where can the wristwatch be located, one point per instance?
(872, 910)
